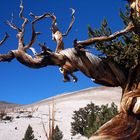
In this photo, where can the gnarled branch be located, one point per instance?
(71, 23)
(91, 41)
(38, 61)
(7, 57)
(57, 34)
(22, 17)
(94, 67)
(13, 26)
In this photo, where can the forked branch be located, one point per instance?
(13, 26)
(20, 34)
(91, 41)
(34, 34)
(56, 34)
(37, 18)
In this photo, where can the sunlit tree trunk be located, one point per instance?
(126, 125)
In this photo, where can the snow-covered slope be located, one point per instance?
(36, 114)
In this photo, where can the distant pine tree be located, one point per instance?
(58, 135)
(29, 134)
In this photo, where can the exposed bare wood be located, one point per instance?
(40, 60)
(13, 26)
(135, 6)
(93, 67)
(57, 34)
(90, 41)
(121, 127)
(7, 57)
(43, 16)
(71, 23)
(34, 35)
(22, 17)
(45, 131)
(33, 51)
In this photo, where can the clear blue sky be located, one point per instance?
(20, 84)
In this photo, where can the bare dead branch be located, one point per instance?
(33, 51)
(22, 17)
(44, 48)
(71, 23)
(34, 34)
(46, 134)
(33, 38)
(7, 57)
(57, 35)
(50, 125)
(37, 18)
(13, 26)
(54, 24)
(4, 39)
(91, 41)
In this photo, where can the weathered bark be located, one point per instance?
(126, 125)
(98, 70)
(121, 127)
(39, 61)
(43, 59)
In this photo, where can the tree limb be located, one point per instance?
(37, 18)
(7, 57)
(22, 17)
(91, 41)
(34, 34)
(4, 39)
(33, 38)
(13, 26)
(71, 23)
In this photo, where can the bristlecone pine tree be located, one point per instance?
(124, 52)
(87, 120)
(119, 66)
(29, 134)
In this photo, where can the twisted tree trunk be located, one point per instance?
(126, 125)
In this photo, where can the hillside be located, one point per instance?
(37, 113)
(7, 105)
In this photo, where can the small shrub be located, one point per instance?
(20, 112)
(29, 116)
(2, 114)
(17, 117)
(7, 118)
